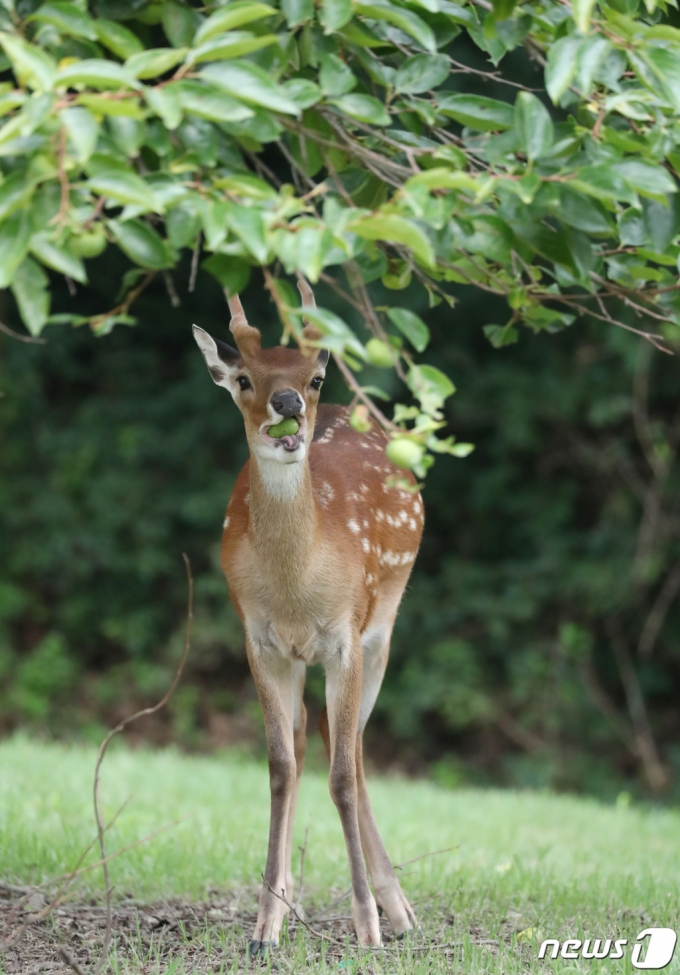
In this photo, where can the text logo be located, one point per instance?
(659, 942)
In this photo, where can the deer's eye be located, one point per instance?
(243, 382)
(316, 382)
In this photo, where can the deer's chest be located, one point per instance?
(300, 609)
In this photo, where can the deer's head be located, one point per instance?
(268, 385)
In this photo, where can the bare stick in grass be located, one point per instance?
(144, 712)
(305, 924)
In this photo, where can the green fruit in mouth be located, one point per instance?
(404, 453)
(286, 428)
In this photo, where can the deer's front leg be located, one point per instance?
(276, 689)
(343, 700)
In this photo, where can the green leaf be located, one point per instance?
(337, 336)
(430, 387)
(335, 77)
(246, 185)
(15, 234)
(582, 10)
(15, 190)
(95, 73)
(533, 125)
(179, 23)
(207, 101)
(334, 14)
(101, 105)
(124, 187)
(303, 92)
(117, 38)
(83, 130)
(230, 16)
(422, 73)
(646, 178)
(251, 84)
(662, 221)
(297, 11)
(50, 254)
(582, 212)
(30, 290)
(365, 108)
(248, 225)
(463, 449)
(67, 18)
(156, 61)
(441, 178)
(663, 59)
(478, 112)
(395, 230)
(562, 65)
(232, 45)
(128, 134)
(411, 326)
(500, 335)
(405, 20)
(33, 67)
(603, 182)
(165, 102)
(231, 273)
(502, 9)
(182, 225)
(141, 243)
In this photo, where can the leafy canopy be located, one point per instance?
(157, 127)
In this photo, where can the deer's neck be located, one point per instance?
(283, 516)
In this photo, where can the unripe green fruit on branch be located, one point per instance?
(89, 244)
(380, 354)
(286, 428)
(404, 453)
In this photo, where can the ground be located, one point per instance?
(524, 867)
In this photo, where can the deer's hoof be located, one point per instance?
(258, 949)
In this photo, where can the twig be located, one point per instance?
(305, 924)
(280, 307)
(303, 853)
(124, 305)
(102, 751)
(194, 263)
(170, 288)
(658, 613)
(70, 960)
(21, 338)
(657, 776)
(334, 903)
(358, 391)
(61, 217)
(423, 856)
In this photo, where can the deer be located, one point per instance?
(317, 548)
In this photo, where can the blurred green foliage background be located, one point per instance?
(539, 640)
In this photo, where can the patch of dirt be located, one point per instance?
(208, 936)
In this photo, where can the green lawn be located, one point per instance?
(528, 864)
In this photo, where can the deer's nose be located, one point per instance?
(286, 402)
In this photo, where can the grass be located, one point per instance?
(527, 866)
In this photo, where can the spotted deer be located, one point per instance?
(317, 549)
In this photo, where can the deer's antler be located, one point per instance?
(248, 339)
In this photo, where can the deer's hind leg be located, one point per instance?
(388, 892)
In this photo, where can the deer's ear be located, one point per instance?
(222, 361)
(323, 357)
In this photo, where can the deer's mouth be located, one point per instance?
(289, 441)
